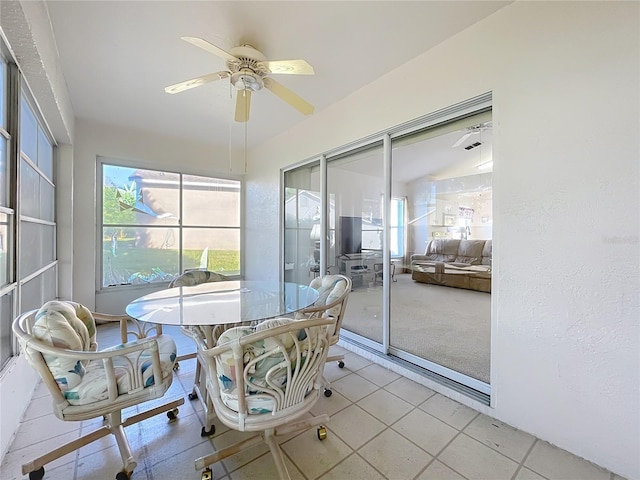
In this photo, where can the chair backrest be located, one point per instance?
(274, 368)
(334, 292)
(196, 277)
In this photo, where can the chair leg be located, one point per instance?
(276, 453)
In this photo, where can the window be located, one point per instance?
(397, 227)
(27, 220)
(6, 222)
(157, 224)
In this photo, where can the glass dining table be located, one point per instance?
(235, 301)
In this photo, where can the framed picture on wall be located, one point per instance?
(448, 220)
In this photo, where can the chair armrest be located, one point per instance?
(418, 256)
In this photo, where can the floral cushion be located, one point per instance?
(67, 325)
(93, 387)
(274, 364)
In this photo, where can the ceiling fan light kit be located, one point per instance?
(248, 72)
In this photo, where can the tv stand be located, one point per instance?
(359, 267)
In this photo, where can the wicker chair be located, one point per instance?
(334, 292)
(59, 341)
(265, 379)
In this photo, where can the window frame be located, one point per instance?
(180, 226)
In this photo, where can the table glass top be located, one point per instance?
(222, 302)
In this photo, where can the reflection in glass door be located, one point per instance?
(355, 185)
(440, 314)
(302, 218)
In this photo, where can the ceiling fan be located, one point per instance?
(248, 70)
(473, 130)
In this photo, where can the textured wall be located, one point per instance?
(565, 337)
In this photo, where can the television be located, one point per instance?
(350, 235)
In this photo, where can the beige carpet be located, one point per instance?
(448, 326)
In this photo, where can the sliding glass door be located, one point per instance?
(407, 215)
(440, 314)
(355, 185)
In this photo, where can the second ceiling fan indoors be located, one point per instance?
(248, 70)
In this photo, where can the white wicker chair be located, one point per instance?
(84, 382)
(334, 292)
(264, 379)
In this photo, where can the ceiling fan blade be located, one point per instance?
(462, 139)
(288, 96)
(210, 47)
(291, 67)
(243, 104)
(196, 82)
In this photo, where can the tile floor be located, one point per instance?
(382, 426)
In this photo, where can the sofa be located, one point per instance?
(454, 263)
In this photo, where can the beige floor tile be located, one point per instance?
(314, 457)
(385, 406)
(526, 474)
(409, 391)
(500, 436)
(40, 445)
(557, 464)
(47, 426)
(38, 407)
(355, 362)
(377, 374)
(330, 405)
(439, 471)
(476, 461)
(354, 387)
(449, 411)
(353, 467)
(106, 464)
(355, 426)
(264, 467)
(333, 372)
(395, 456)
(426, 431)
(156, 435)
(182, 465)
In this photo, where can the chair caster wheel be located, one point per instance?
(322, 432)
(340, 364)
(176, 367)
(208, 433)
(172, 414)
(207, 474)
(122, 476)
(37, 474)
(192, 396)
(327, 392)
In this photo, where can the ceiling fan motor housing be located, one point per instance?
(246, 72)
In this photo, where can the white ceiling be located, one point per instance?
(117, 57)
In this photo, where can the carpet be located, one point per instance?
(448, 326)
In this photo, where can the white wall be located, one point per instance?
(565, 337)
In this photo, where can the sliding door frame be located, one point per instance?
(470, 107)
